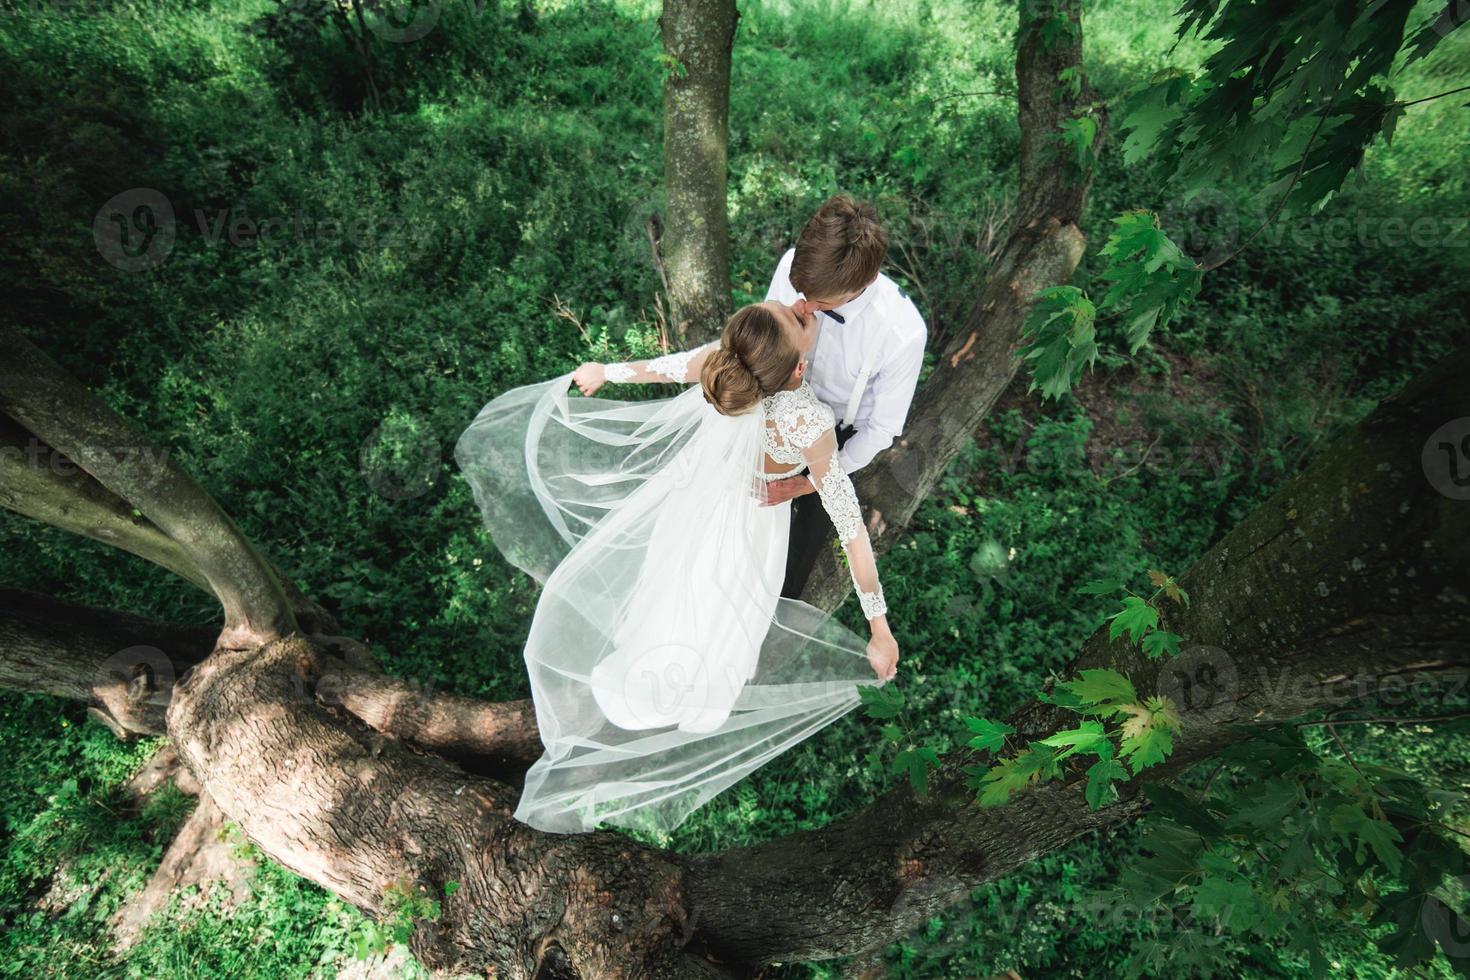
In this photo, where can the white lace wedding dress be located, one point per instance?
(664, 664)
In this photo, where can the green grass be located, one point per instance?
(515, 159)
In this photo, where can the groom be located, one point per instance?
(865, 362)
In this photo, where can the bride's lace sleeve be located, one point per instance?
(682, 367)
(841, 503)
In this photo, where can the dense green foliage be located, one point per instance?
(502, 166)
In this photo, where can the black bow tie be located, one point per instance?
(836, 316)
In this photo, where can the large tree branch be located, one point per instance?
(1352, 579)
(482, 736)
(361, 818)
(60, 411)
(1043, 250)
(42, 484)
(123, 667)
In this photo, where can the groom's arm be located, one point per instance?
(893, 393)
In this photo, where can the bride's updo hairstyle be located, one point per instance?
(755, 359)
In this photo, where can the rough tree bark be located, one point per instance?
(698, 36)
(1043, 249)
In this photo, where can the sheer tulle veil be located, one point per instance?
(664, 665)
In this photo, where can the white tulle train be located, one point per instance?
(664, 665)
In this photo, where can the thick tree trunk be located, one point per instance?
(358, 817)
(698, 36)
(1043, 249)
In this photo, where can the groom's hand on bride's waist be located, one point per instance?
(780, 491)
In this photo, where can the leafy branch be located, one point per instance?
(1142, 737)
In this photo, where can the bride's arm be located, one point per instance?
(681, 367)
(840, 501)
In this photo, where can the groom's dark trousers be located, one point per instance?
(811, 531)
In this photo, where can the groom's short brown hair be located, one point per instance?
(839, 250)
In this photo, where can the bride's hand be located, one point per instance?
(589, 377)
(883, 654)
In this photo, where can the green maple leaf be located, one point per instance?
(1350, 820)
(1100, 778)
(1101, 586)
(1148, 732)
(1009, 775)
(1160, 642)
(1101, 686)
(1083, 738)
(1060, 325)
(881, 702)
(989, 735)
(1000, 781)
(1135, 617)
(915, 762)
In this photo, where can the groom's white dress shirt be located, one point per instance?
(880, 316)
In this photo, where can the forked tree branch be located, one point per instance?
(44, 485)
(63, 413)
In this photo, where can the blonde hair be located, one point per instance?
(840, 249)
(756, 358)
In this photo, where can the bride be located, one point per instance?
(664, 663)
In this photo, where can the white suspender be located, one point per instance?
(869, 361)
